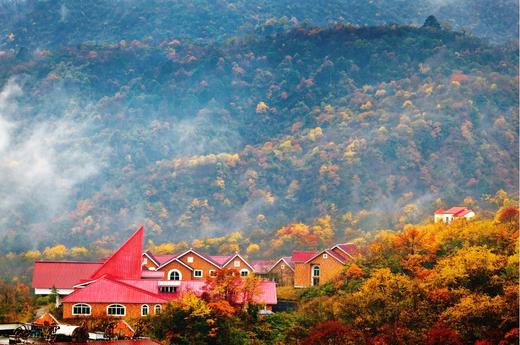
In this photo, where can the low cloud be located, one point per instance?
(41, 161)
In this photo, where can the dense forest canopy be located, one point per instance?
(373, 126)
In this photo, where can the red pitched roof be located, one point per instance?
(163, 258)
(458, 211)
(126, 261)
(455, 211)
(266, 293)
(302, 256)
(62, 275)
(219, 259)
(349, 248)
(109, 290)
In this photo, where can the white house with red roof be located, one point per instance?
(447, 216)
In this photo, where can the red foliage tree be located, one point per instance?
(443, 336)
(334, 333)
(511, 337)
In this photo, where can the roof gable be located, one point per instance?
(152, 258)
(203, 257)
(126, 261)
(285, 259)
(336, 256)
(241, 258)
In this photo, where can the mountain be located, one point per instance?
(199, 138)
(54, 23)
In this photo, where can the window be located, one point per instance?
(157, 309)
(282, 266)
(325, 256)
(197, 273)
(315, 275)
(315, 271)
(244, 272)
(237, 263)
(145, 310)
(80, 309)
(168, 289)
(212, 273)
(116, 310)
(145, 261)
(174, 275)
(190, 259)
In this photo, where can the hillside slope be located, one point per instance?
(205, 139)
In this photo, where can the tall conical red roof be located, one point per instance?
(125, 263)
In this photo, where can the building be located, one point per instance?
(133, 284)
(447, 216)
(282, 271)
(317, 268)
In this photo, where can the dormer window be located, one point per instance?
(190, 259)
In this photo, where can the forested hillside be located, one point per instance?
(197, 139)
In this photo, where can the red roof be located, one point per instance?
(302, 256)
(62, 275)
(266, 293)
(126, 261)
(219, 259)
(349, 248)
(109, 290)
(163, 258)
(337, 255)
(458, 211)
(455, 211)
(159, 259)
